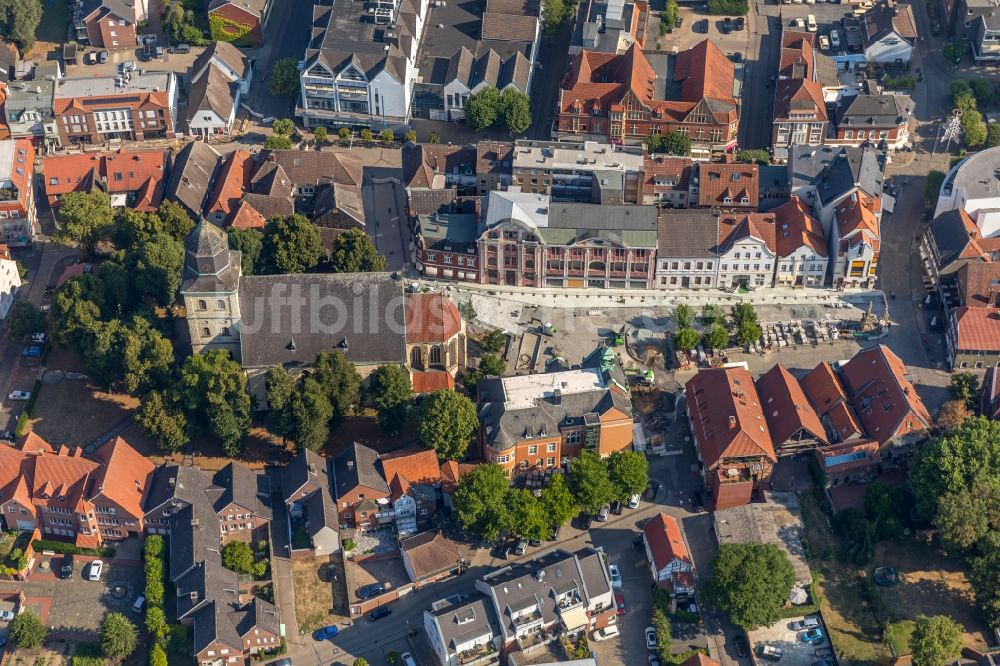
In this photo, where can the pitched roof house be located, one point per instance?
(972, 337)
(356, 478)
(669, 560)
(192, 176)
(794, 424)
(305, 483)
(889, 32)
(133, 179)
(826, 393)
(460, 629)
(801, 245)
(731, 435)
(728, 185)
(220, 78)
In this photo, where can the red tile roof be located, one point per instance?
(246, 217)
(797, 57)
(785, 406)
(796, 228)
(736, 227)
(869, 447)
(979, 284)
(977, 329)
(125, 475)
(718, 180)
(827, 395)
(431, 318)
(726, 416)
(232, 182)
(705, 71)
(416, 466)
(660, 169)
(794, 39)
(799, 96)
(428, 381)
(883, 397)
(452, 472)
(663, 535)
(118, 172)
(857, 220)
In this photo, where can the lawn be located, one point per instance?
(51, 31)
(319, 599)
(856, 610)
(75, 412)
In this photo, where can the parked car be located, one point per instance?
(603, 514)
(522, 548)
(604, 634)
(34, 351)
(182, 48)
(407, 659)
(703, 26)
(40, 338)
(824, 43)
(66, 568)
(813, 636)
(371, 590)
(6, 615)
(19, 395)
(620, 604)
(379, 613)
(6, 435)
(741, 23)
(326, 633)
(616, 508)
(799, 23)
(742, 648)
(616, 576)
(638, 543)
(654, 660)
(727, 25)
(769, 652)
(633, 502)
(140, 603)
(805, 623)
(650, 638)
(90, 58)
(280, 662)
(586, 520)
(834, 39)
(96, 569)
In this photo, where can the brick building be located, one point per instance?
(620, 98)
(18, 215)
(136, 180)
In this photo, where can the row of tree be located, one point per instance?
(293, 245)
(967, 96)
(490, 107)
(743, 327)
(487, 505)
(119, 636)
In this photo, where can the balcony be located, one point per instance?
(481, 655)
(527, 620)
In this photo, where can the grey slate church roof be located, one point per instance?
(209, 265)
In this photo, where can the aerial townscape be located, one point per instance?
(499, 332)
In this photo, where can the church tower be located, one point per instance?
(211, 290)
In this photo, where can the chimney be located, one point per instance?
(732, 422)
(540, 575)
(193, 595)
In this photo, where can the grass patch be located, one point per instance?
(319, 600)
(88, 654)
(897, 636)
(55, 18)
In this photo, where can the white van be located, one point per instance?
(811, 23)
(834, 39)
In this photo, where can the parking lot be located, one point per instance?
(170, 62)
(794, 651)
(691, 32)
(828, 17)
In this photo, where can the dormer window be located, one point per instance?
(745, 201)
(727, 200)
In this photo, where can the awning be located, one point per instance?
(575, 618)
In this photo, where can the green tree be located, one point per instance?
(670, 13)
(936, 640)
(344, 134)
(147, 358)
(494, 341)
(366, 135)
(553, 14)
(360, 661)
(311, 411)
(388, 137)
(956, 50)
(119, 637)
(514, 107)
(285, 77)
(747, 332)
(354, 252)
(973, 128)
(753, 155)
(482, 109)
(965, 386)
(283, 126)
(557, 501)
(968, 518)
(984, 574)
(992, 135)
(156, 267)
(446, 422)
(157, 656)
(676, 143)
(392, 394)
(237, 556)
(687, 338)
(133, 227)
(433, 138)
(320, 135)
(280, 390)
(661, 624)
(24, 320)
(479, 501)
(213, 389)
(341, 381)
(684, 315)
(156, 620)
(278, 142)
(163, 421)
(409, 136)
(491, 365)
(951, 414)
(750, 582)
(712, 314)
(527, 515)
(86, 219)
(717, 337)
(19, 20)
(27, 630)
(249, 242)
(589, 482)
(983, 90)
(955, 461)
(628, 472)
(174, 220)
(290, 245)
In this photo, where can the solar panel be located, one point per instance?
(845, 458)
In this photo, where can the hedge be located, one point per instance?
(728, 7)
(63, 547)
(815, 601)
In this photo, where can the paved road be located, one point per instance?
(763, 48)
(384, 200)
(287, 35)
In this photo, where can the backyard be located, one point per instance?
(864, 619)
(52, 29)
(320, 594)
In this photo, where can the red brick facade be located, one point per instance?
(110, 31)
(231, 12)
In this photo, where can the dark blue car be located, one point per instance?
(34, 351)
(326, 633)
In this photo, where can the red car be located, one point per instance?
(620, 603)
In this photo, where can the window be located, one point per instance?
(551, 448)
(205, 332)
(532, 450)
(220, 304)
(202, 305)
(551, 462)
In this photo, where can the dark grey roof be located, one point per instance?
(243, 486)
(359, 314)
(225, 53)
(468, 617)
(258, 613)
(449, 231)
(322, 511)
(836, 170)
(355, 466)
(342, 37)
(630, 225)
(269, 206)
(460, 66)
(193, 530)
(427, 202)
(950, 237)
(307, 167)
(192, 175)
(174, 484)
(210, 267)
(873, 111)
(306, 466)
(212, 91)
(502, 428)
(686, 233)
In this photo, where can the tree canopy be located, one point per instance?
(285, 77)
(446, 422)
(589, 482)
(213, 390)
(27, 630)
(278, 142)
(514, 109)
(156, 266)
(482, 108)
(119, 637)
(750, 582)
(249, 242)
(290, 245)
(628, 472)
(354, 252)
(24, 320)
(479, 501)
(557, 501)
(19, 20)
(392, 395)
(86, 219)
(936, 640)
(238, 556)
(965, 386)
(163, 420)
